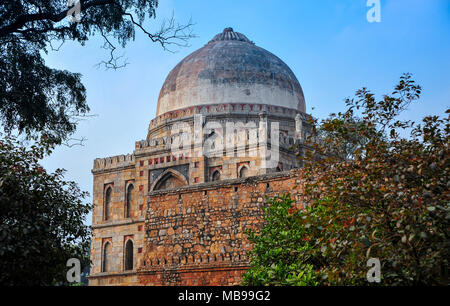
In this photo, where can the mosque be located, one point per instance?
(229, 129)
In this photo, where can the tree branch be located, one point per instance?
(22, 20)
(112, 62)
(168, 34)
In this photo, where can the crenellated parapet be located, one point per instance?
(159, 143)
(113, 162)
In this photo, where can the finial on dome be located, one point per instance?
(230, 34)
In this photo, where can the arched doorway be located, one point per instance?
(243, 172)
(215, 176)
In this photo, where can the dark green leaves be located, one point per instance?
(369, 194)
(35, 99)
(41, 219)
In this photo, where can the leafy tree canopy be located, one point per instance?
(36, 99)
(388, 199)
(41, 218)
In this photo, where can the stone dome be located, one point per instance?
(230, 69)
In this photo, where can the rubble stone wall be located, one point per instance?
(195, 235)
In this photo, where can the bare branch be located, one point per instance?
(22, 20)
(55, 49)
(170, 32)
(72, 142)
(112, 63)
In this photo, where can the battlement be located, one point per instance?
(113, 162)
(155, 143)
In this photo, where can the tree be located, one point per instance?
(281, 256)
(37, 100)
(42, 214)
(388, 199)
(41, 218)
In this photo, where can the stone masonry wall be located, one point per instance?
(117, 173)
(195, 235)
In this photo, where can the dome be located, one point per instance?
(230, 69)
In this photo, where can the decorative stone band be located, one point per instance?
(229, 108)
(164, 143)
(196, 260)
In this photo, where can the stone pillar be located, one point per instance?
(298, 127)
(262, 142)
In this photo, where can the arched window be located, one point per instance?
(243, 172)
(129, 255)
(107, 212)
(106, 265)
(129, 200)
(215, 176)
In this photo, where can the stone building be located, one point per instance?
(174, 211)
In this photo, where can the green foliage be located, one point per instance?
(37, 100)
(41, 218)
(41, 214)
(390, 200)
(386, 198)
(281, 256)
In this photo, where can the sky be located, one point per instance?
(329, 45)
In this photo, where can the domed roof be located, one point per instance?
(230, 69)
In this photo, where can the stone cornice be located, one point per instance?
(228, 108)
(113, 274)
(223, 266)
(118, 223)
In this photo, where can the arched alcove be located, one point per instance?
(169, 179)
(215, 176)
(107, 204)
(106, 264)
(244, 172)
(129, 255)
(129, 201)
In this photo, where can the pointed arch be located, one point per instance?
(129, 254)
(169, 179)
(107, 204)
(215, 176)
(129, 200)
(244, 171)
(106, 257)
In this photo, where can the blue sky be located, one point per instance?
(329, 45)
